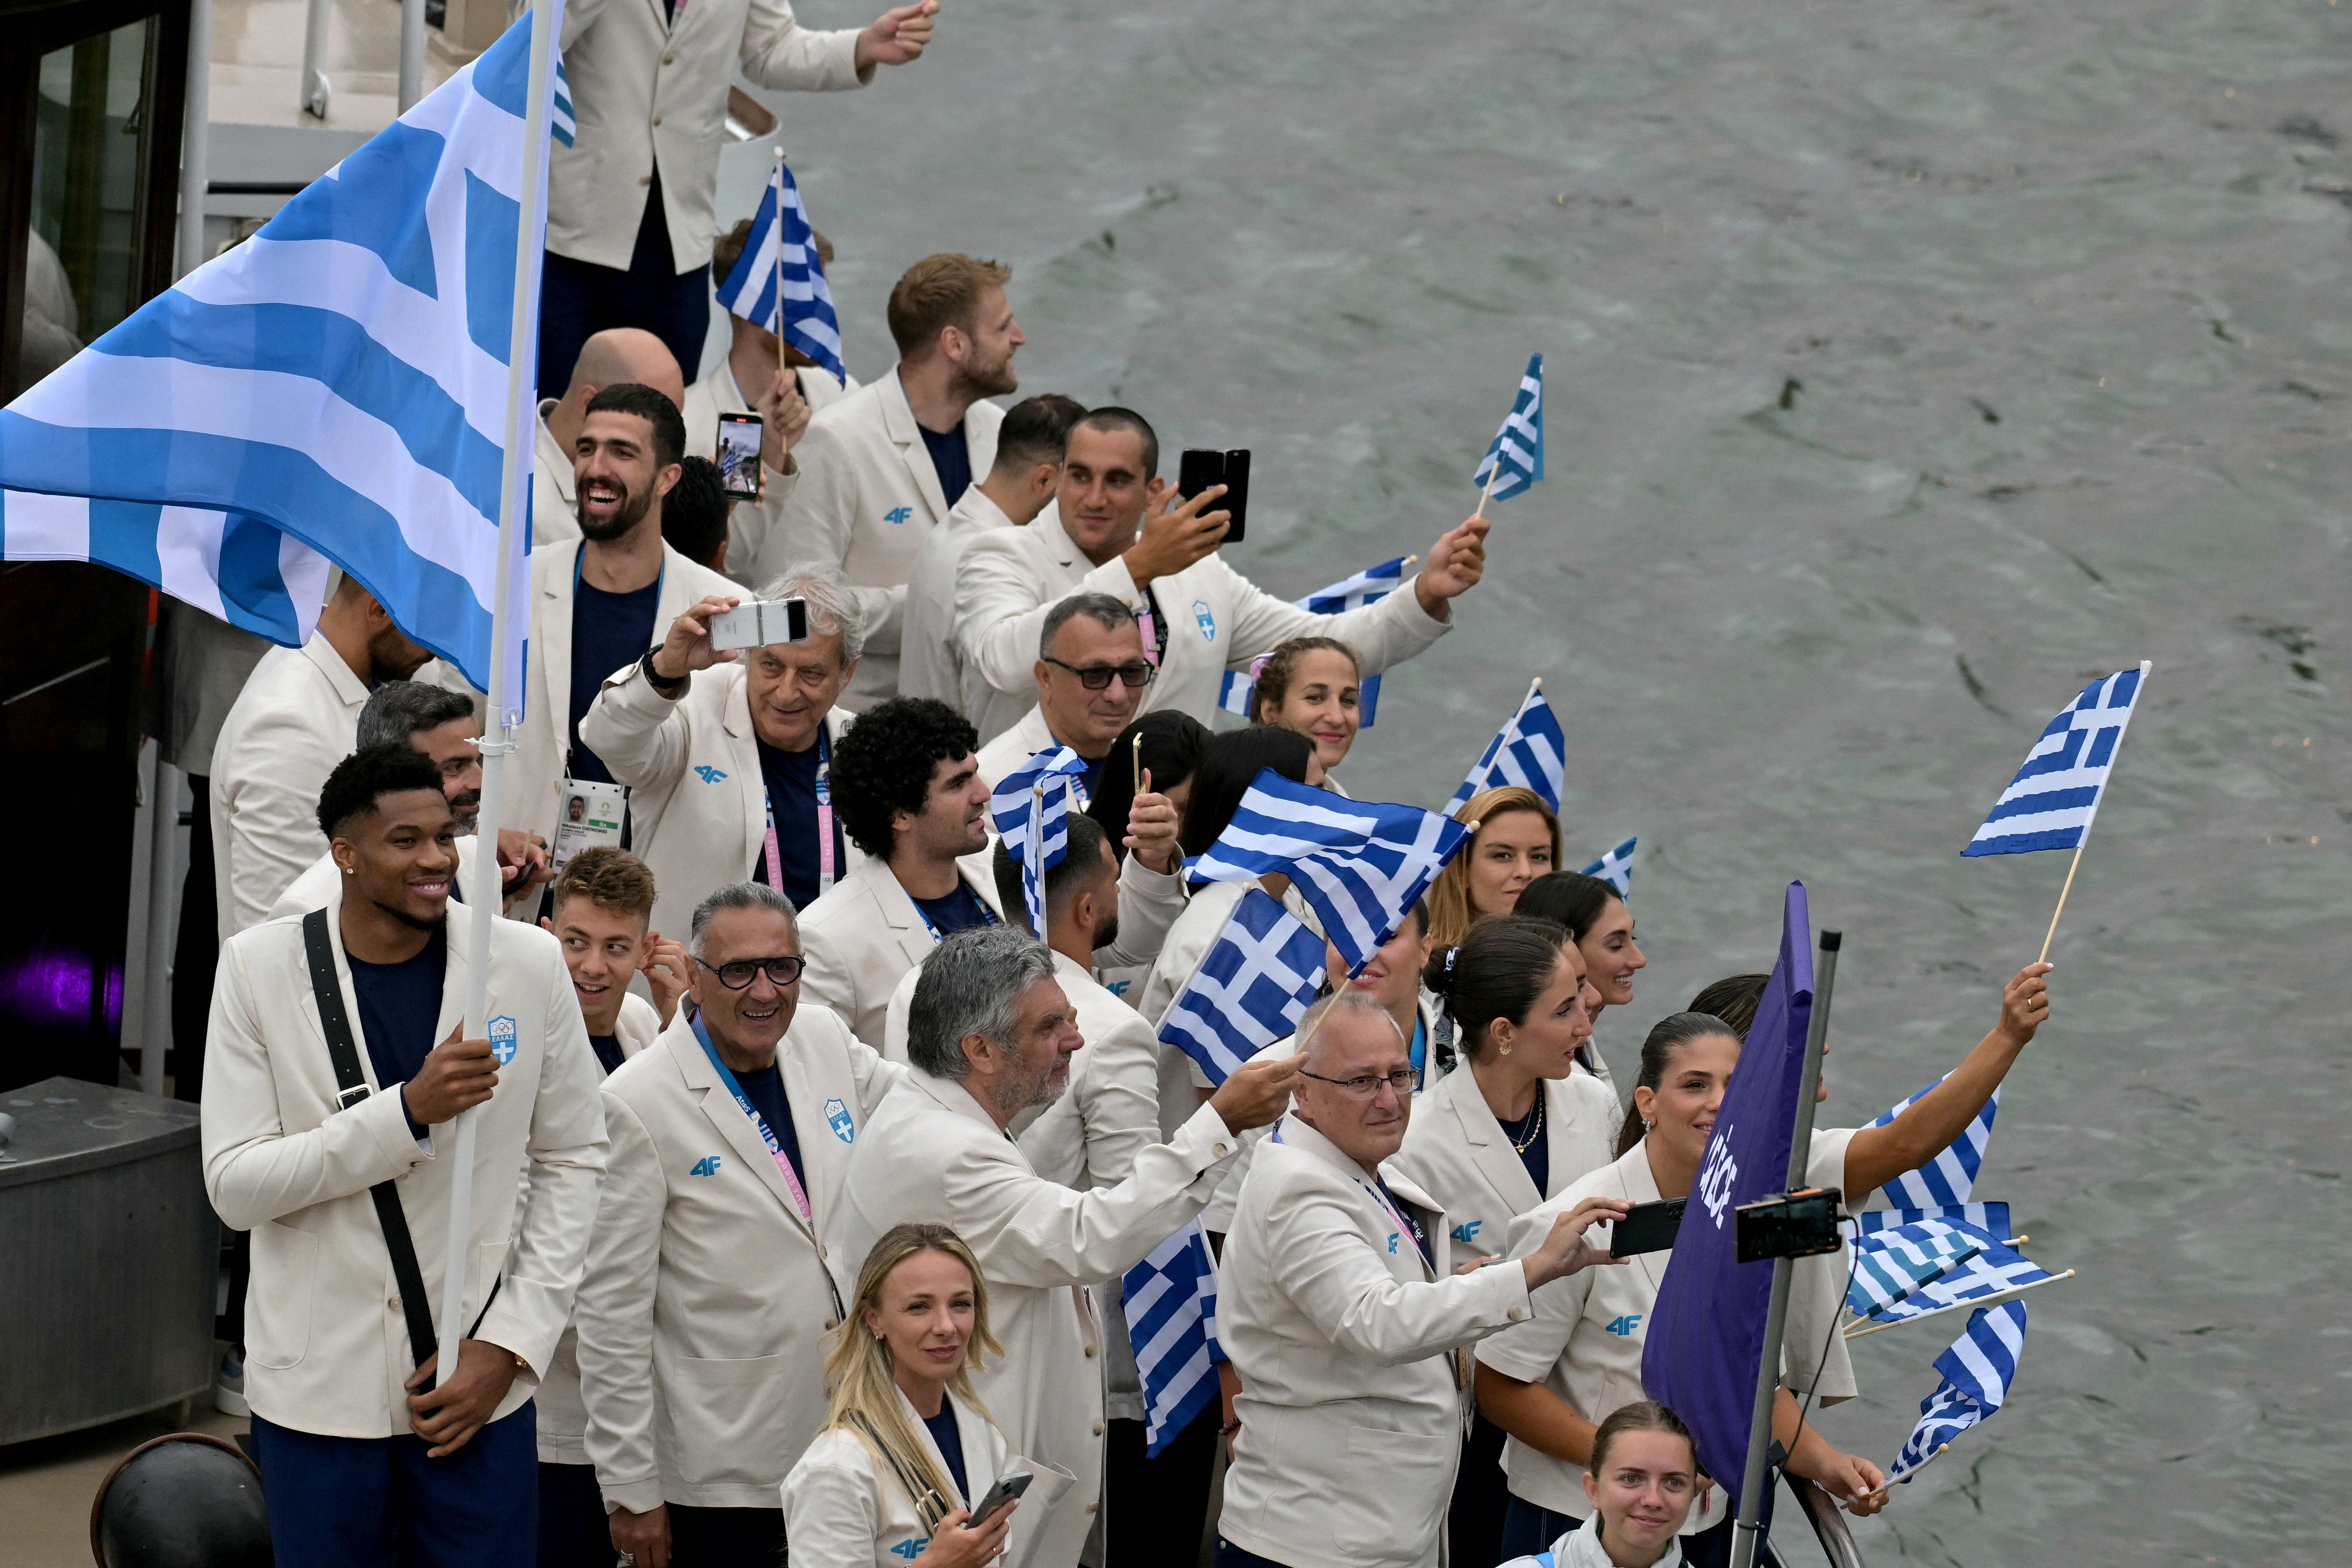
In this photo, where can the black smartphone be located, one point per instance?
(1237, 496)
(738, 456)
(1646, 1228)
(1198, 471)
(1000, 1497)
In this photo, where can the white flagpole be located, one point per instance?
(2145, 667)
(484, 902)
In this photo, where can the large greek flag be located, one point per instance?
(1171, 1318)
(1516, 457)
(780, 263)
(339, 381)
(1256, 983)
(1529, 750)
(1616, 868)
(1951, 1176)
(2050, 804)
(1369, 586)
(1976, 1374)
(1359, 865)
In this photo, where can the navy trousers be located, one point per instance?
(378, 1502)
(573, 1529)
(578, 299)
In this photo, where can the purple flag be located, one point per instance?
(1706, 1334)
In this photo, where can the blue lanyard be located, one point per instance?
(987, 914)
(767, 1134)
(828, 868)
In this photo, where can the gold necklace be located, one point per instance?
(1535, 1131)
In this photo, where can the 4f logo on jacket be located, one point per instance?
(706, 1166)
(910, 1549)
(899, 514)
(708, 774)
(1464, 1234)
(1624, 1327)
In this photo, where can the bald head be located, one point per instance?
(1349, 1036)
(624, 353)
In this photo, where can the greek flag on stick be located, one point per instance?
(1890, 1265)
(1996, 1273)
(1976, 1375)
(1616, 868)
(1171, 1317)
(1950, 1176)
(334, 389)
(1369, 586)
(1251, 990)
(780, 258)
(1531, 750)
(1990, 1218)
(1516, 458)
(2050, 804)
(1031, 806)
(1360, 866)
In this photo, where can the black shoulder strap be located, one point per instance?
(353, 1086)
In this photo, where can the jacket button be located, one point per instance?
(1094, 1508)
(393, 1303)
(1090, 1350)
(644, 179)
(1098, 1428)
(657, 119)
(670, 57)
(1516, 1313)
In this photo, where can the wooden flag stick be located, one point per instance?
(783, 354)
(1857, 1329)
(2052, 936)
(1490, 486)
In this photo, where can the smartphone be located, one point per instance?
(1198, 471)
(1237, 496)
(738, 456)
(1000, 1498)
(760, 622)
(1646, 1228)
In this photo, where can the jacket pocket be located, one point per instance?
(727, 1420)
(1404, 1481)
(278, 1311)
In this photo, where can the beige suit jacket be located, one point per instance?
(295, 719)
(1456, 1152)
(861, 938)
(930, 664)
(326, 1341)
(554, 503)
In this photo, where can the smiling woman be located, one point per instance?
(1312, 687)
(1514, 839)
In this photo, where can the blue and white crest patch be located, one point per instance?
(837, 1116)
(1208, 622)
(502, 1039)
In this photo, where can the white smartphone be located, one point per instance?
(758, 623)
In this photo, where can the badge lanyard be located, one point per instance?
(1147, 620)
(783, 1160)
(566, 786)
(1379, 1194)
(827, 870)
(938, 935)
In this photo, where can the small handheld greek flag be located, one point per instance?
(1996, 1273)
(1976, 1374)
(1369, 586)
(1616, 868)
(1361, 865)
(561, 123)
(1516, 457)
(1171, 1317)
(780, 268)
(1031, 806)
(1529, 750)
(2050, 804)
(1251, 990)
(1990, 1218)
(1950, 1176)
(1892, 1263)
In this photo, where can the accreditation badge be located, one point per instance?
(586, 812)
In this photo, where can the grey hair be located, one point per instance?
(1344, 1001)
(738, 896)
(971, 985)
(1102, 607)
(834, 606)
(401, 707)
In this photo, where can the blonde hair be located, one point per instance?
(1449, 915)
(865, 1397)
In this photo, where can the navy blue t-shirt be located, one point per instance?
(1537, 1155)
(942, 1429)
(608, 631)
(1092, 777)
(608, 1050)
(765, 1090)
(790, 778)
(399, 1003)
(959, 911)
(950, 459)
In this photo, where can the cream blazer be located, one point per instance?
(750, 522)
(1217, 619)
(647, 92)
(296, 719)
(929, 662)
(555, 504)
(707, 1297)
(1456, 1152)
(326, 1343)
(845, 1508)
(1585, 1338)
(866, 497)
(861, 938)
(697, 797)
(562, 1420)
(932, 1154)
(1351, 1403)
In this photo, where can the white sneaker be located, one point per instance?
(228, 1387)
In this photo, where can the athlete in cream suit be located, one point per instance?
(844, 1509)
(749, 524)
(865, 934)
(708, 1293)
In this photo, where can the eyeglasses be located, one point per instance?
(738, 975)
(1096, 677)
(1369, 1085)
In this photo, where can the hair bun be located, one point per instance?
(1437, 974)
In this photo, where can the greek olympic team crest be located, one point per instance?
(502, 1039)
(1208, 622)
(837, 1116)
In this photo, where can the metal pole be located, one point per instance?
(316, 92)
(1776, 1321)
(412, 53)
(195, 137)
(513, 518)
(163, 880)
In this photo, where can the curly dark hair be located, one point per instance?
(369, 774)
(883, 764)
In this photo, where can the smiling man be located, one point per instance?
(319, 1126)
(710, 1288)
(991, 1033)
(1091, 675)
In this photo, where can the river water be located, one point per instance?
(1909, 365)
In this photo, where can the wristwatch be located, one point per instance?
(660, 681)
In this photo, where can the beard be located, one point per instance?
(994, 379)
(1107, 934)
(466, 811)
(632, 512)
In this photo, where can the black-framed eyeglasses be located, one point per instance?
(1096, 677)
(1364, 1088)
(737, 973)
